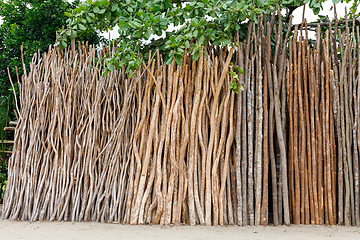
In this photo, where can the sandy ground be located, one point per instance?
(87, 230)
(10, 230)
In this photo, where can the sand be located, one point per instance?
(89, 230)
(10, 230)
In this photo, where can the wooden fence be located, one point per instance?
(173, 144)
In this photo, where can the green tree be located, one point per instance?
(32, 23)
(201, 22)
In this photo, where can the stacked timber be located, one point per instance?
(174, 145)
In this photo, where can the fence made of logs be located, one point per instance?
(174, 145)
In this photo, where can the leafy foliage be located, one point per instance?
(3, 179)
(32, 23)
(353, 13)
(235, 84)
(198, 23)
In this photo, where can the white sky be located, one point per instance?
(327, 10)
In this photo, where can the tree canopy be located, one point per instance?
(198, 21)
(32, 23)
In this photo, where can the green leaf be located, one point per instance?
(63, 45)
(134, 24)
(132, 74)
(101, 11)
(226, 42)
(123, 27)
(172, 39)
(146, 34)
(106, 72)
(73, 35)
(202, 40)
(212, 37)
(137, 34)
(88, 19)
(82, 27)
(96, 10)
(178, 60)
(187, 44)
(217, 42)
(261, 3)
(195, 57)
(169, 61)
(254, 18)
(110, 67)
(194, 22)
(316, 11)
(114, 7)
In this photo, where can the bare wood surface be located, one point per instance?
(173, 145)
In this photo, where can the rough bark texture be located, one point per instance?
(174, 145)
